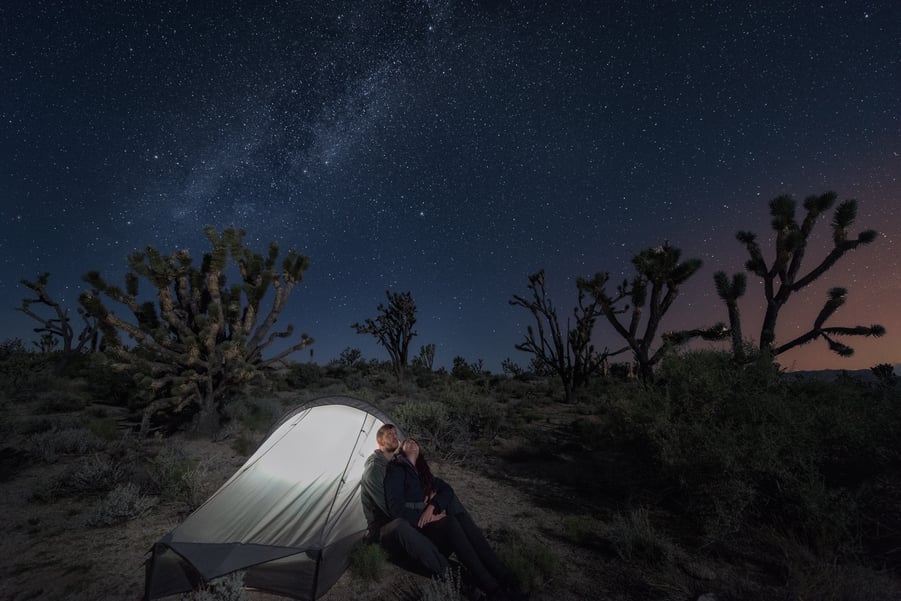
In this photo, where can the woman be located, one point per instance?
(429, 503)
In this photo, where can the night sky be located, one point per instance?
(450, 149)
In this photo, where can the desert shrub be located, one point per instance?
(244, 444)
(443, 589)
(35, 424)
(368, 562)
(228, 588)
(578, 529)
(742, 443)
(255, 414)
(121, 504)
(47, 490)
(810, 574)
(303, 375)
(48, 445)
(98, 473)
(175, 477)
(110, 386)
(633, 537)
(104, 428)
(431, 422)
(24, 375)
(533, 563)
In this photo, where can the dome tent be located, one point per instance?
(289, 516)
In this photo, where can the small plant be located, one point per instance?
(634, 537)
(104, 428)
(121, 504)
(430, 420)
(532, 562)
(178, 479)
(96, 474)
(579, 529)
(244, 444)
(228, 588)
(367, 562)
(443, 589)
(48, 445)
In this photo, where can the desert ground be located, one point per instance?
(581, 519)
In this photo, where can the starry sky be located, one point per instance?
(451, 148)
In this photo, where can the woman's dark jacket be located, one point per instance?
(404, 493)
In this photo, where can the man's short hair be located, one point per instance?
(380, 433)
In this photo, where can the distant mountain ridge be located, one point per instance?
(829, 375)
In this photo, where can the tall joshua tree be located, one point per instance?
(568, 353)
(393, 328)
(656, 286)
(783, 278)
(202, 338)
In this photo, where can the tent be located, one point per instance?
(289, 517)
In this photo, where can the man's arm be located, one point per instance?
(373, 487)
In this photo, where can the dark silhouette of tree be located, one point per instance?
(58, 327)
(202, 338)
(350, 357)
(730, 292)
(568, 353)
(783, 278)
(884, 374)
(510, 368)
(655, 287)
(393, 329)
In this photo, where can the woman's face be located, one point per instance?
(410, 446)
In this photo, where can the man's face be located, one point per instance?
(389, 442)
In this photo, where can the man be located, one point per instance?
(398, 536)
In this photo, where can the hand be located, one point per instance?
(428, 516)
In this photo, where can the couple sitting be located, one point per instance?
(417, 516)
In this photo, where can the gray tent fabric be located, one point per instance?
(288, 518)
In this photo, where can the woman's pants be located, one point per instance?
(458, 533)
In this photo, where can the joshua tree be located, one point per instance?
(202, 339)
(730, 292)
(58, 327)
(393, 328)
(426, 357)
(569, 354)
(660, 274)
(782, 278)
(350, 357)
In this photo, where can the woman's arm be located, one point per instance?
(441, 500)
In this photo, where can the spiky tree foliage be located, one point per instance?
(393, 329)
(884, 374)
(783, 278)
(655, 287)
(426, 357)
(568, 353)
(202, 338)
(58, 327)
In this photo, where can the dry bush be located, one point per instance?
(123, 503)
(177, 478)
(48, 445)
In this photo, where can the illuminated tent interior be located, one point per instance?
(288, 518)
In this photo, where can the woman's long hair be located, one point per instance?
(422, 468)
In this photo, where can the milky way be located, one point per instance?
(451, 149)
